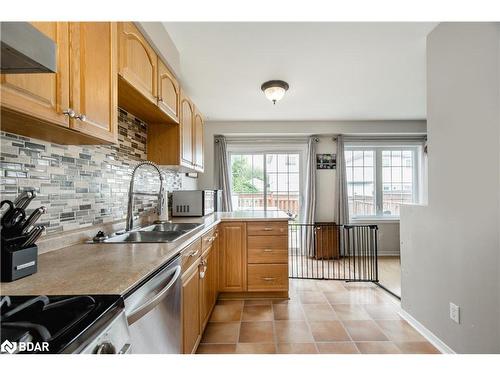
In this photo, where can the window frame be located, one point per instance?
(254, 148)
(377, 148)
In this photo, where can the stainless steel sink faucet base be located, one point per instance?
(132, 193)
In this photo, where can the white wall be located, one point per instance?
(450, 248)
(388, 232)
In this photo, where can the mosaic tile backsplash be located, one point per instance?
(81, 186)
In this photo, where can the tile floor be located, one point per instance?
(321, 316)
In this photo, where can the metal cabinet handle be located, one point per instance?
(69, 112)
(153, 302)
(269, 278)
(268, 250)
(203, 270)
(194, 253)
(81, 117)
(211, 239)
(268, 229)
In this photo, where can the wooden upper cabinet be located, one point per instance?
(42, 95)
(93, 62)
(232, 257)
(186, 130)
(198, 138)
(138, 62)
(168, 92)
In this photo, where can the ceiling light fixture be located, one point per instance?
(274, 90)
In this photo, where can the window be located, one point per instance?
(380, 179)
(266, 181)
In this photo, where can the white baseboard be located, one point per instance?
(431, 337)
(388, 253)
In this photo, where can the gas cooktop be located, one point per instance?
(53, 324)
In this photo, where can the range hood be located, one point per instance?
(25, 49)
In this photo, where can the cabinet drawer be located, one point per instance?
(207, 239)
(267, 249)
(267, 228)
(190, 254)
(267, 277)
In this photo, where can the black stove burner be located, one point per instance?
(58, 320)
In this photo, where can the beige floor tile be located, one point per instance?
(351, 312)
(364, 330)
(399, 330)
(418, 347)
(383, 311)
(337, 348)
(297, 348)
(329, 331)
(322, 312)
(288, 312)
(252, 302)
(378, 347)
(257, 313)
(330, 286)
(288, 331)
(226, 313)
(312, 297)
(230, 302)
(287, 301)
(221, 333)
(252, 332)
(255, 348)
(303, 285)
(367, 296)
(216, 349)
(335, 298)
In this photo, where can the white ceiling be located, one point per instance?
(336, 71)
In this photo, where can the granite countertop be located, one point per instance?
(113, 268)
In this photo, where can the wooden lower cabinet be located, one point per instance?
(226, 260)
(233, 257)
(267, 277)
(208, 283)
(327, 246)
(191, 328)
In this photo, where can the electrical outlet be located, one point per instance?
(455, 313)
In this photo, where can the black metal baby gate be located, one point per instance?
(334, 252)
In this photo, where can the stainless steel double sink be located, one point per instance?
(167, 232)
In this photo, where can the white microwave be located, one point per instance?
(193, 202)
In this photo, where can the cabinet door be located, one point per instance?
(191, 332)
(233, 257)
(93, 60)
(168, 92)
(198, 125)
(208, 283)
(186, 127)
(137, 61)
(42, 95)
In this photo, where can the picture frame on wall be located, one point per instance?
(326, 161)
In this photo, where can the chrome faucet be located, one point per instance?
(132, 193)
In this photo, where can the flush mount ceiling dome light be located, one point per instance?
(274, 90)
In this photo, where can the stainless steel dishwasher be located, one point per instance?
(154, 312)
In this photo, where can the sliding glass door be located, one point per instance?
(266, 181)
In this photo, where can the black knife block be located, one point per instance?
(19, 263)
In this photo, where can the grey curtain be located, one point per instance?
(341, 202)
(221, 172)
(309, 206)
